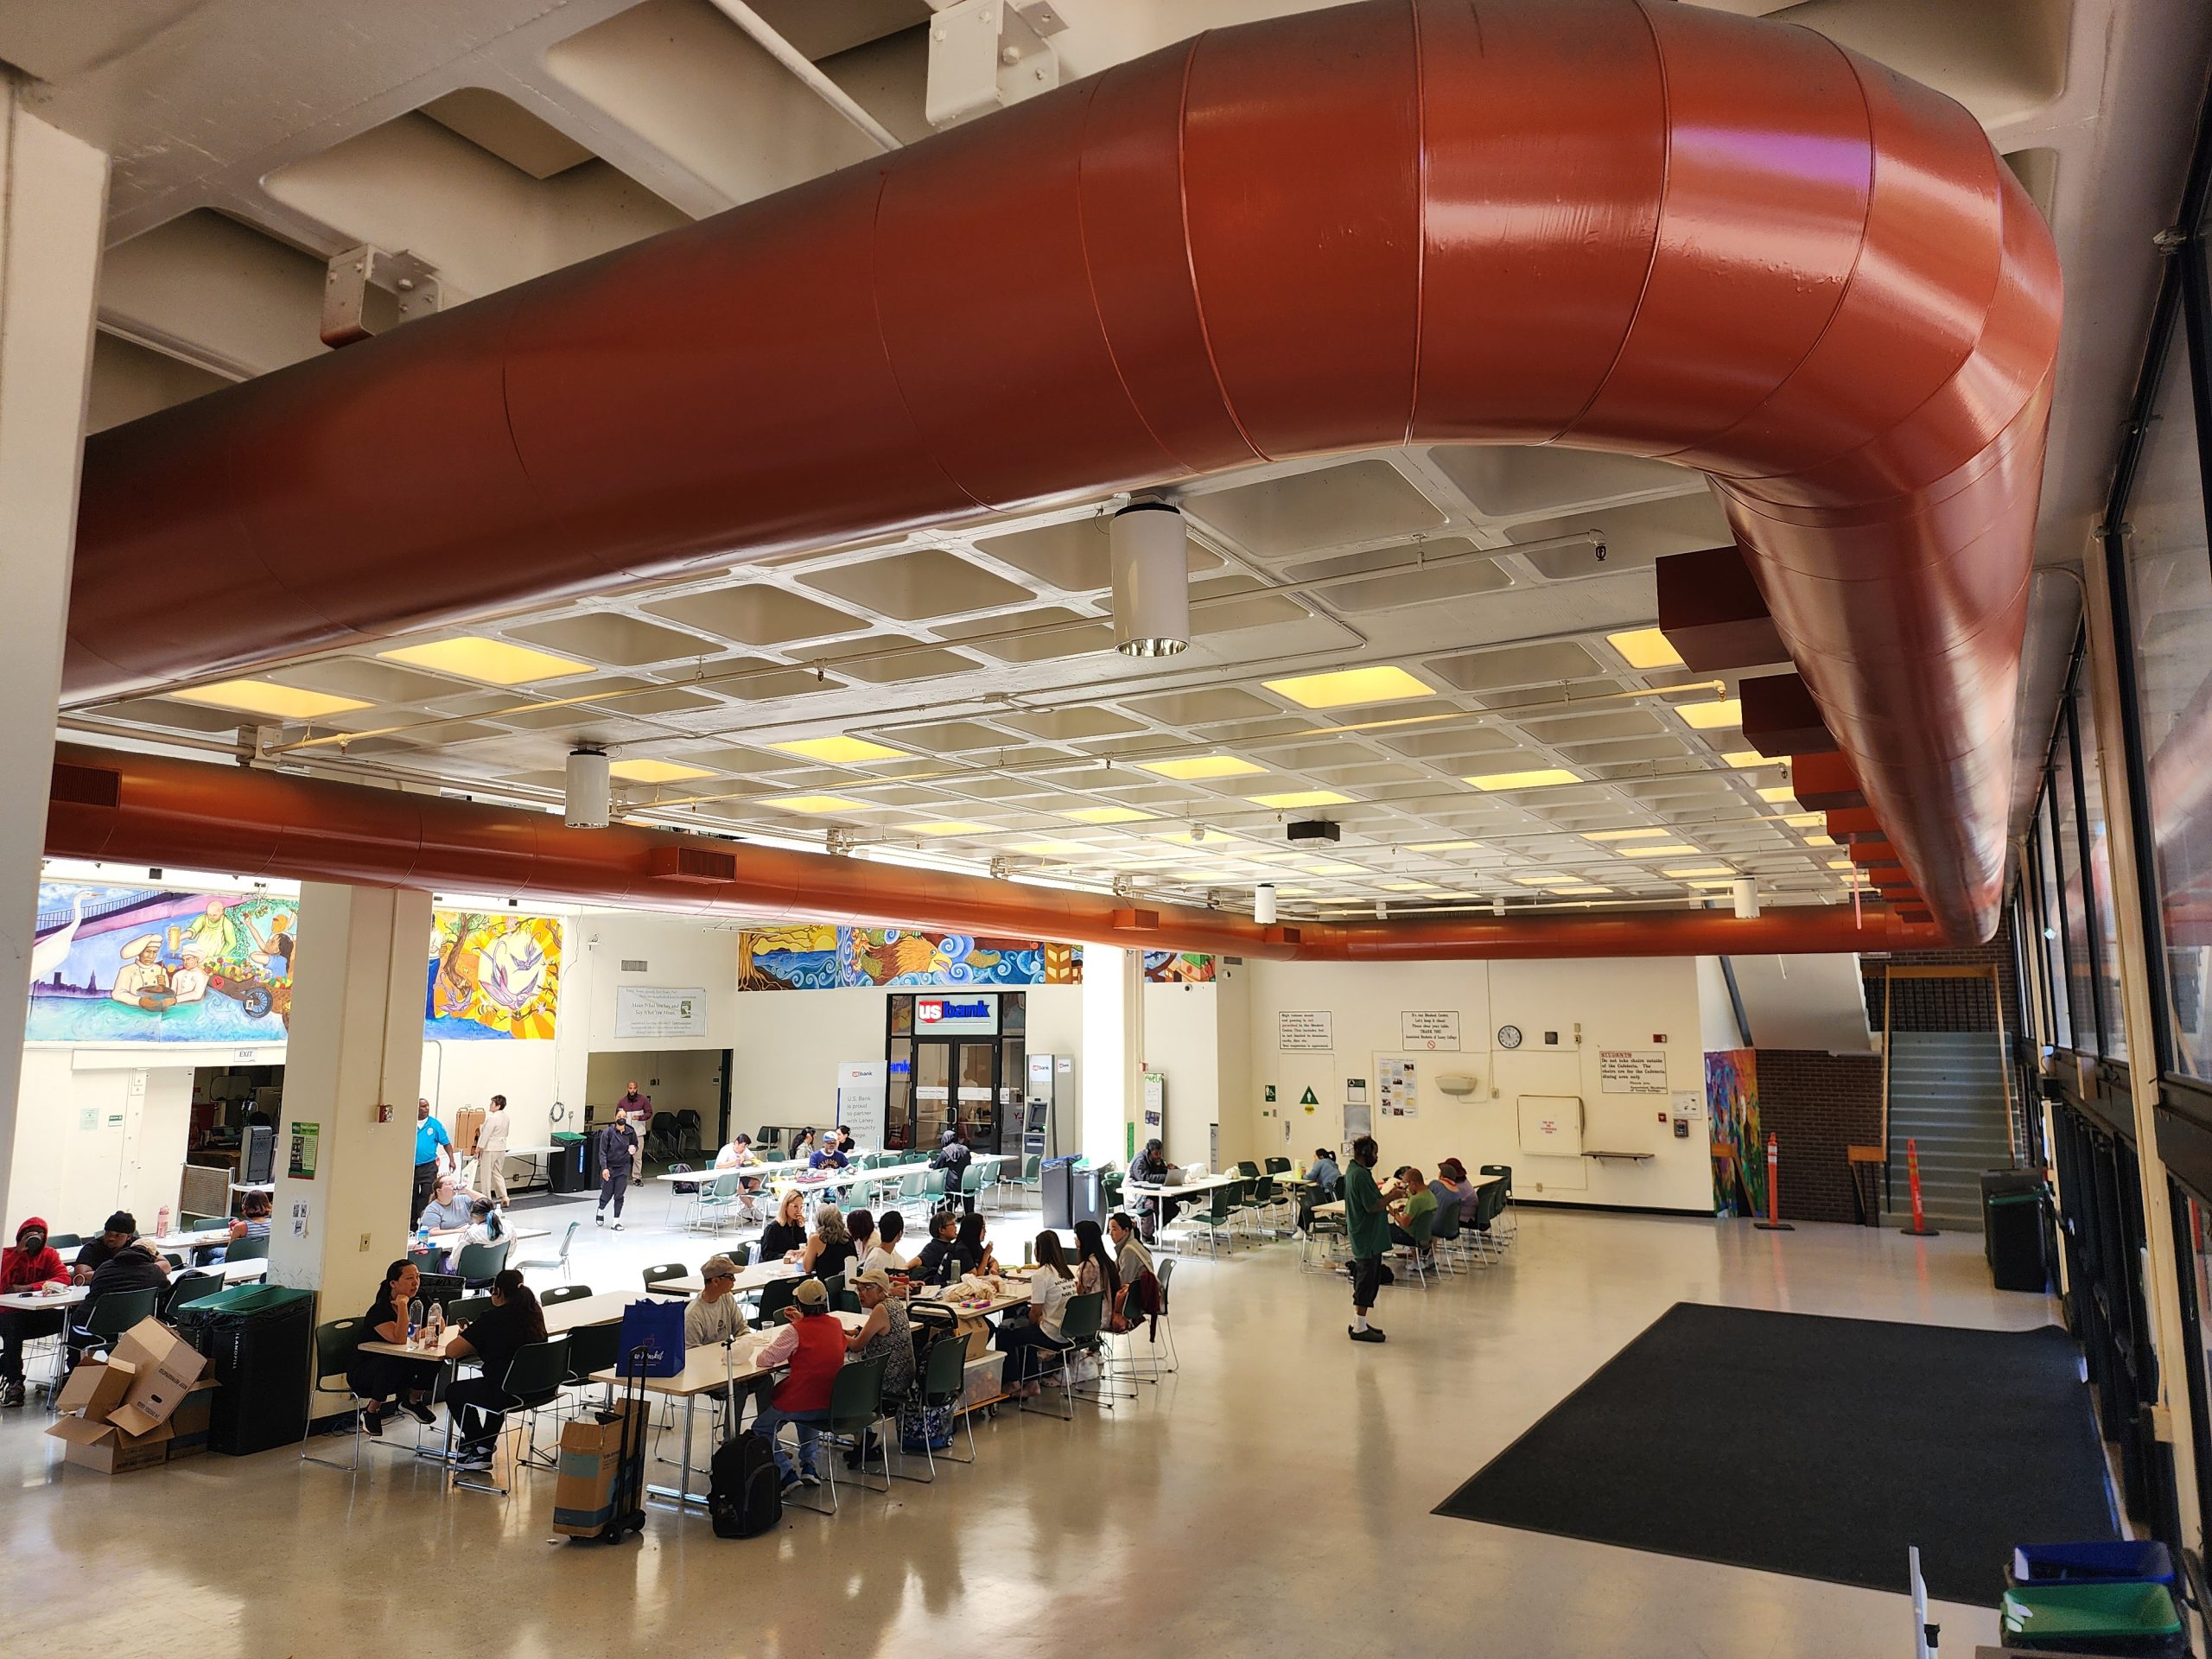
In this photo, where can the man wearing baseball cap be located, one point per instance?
(814, 1344)
(716, 1315)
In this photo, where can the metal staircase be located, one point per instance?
(1948, 1094)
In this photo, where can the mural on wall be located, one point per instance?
(819, 957)
(491, 976)
(118, 965)
(1731, 1097)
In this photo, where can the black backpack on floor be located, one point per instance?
(745, 1492)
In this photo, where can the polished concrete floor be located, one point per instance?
(1272, 1497)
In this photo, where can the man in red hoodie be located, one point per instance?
(28, 1264)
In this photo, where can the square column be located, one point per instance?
(1113, 1050)
(356, 1047)
(53, 213)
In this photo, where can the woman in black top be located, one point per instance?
(933, 1266)
(970, 1254)
(783, 1238)
(512, 1322)
(379, 1378)
(831, 1250)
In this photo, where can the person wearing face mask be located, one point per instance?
(29, 1264)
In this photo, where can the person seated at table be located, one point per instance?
(739, 1155)
(736, 1154)
(446, 1213)
(829, 1155)
(1025, 1342)
(1325, 1175)
(971, 1250)
(1150, 1168)
(801, 1147)
(1133, 1263)
(883, 1331)
(494, 1336)
(1452, 1186)
(120, 1230)
(26, 1267)
(715, 1315)
(860, 1227)
(1096, 1272)
(939, 1253)
(380, 1379)
(1417, 1206)
(831, 1250)
(883, 1255)
(486, 1224)
(813, 1344)
(785, 1236)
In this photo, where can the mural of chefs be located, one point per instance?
(147, 964)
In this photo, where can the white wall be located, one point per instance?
(1183, 1041)
(98, 1130)
(1618, 1004)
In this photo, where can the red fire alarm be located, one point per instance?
(1658, 1036)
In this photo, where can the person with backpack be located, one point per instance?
(813, 1344)
(953, 1156)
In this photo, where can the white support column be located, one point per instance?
(356, 1046)
(53, 206)
(2162, 1287)
(1113, 1050)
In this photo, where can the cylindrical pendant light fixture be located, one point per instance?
(1151, 585)
(590, 790)
(1264, 903)
(1747, 899)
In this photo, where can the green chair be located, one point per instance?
(559, 1258)
(775, 1296)
(462, 1309)
(481, 1264)
(335, 1343)
(971, 1181)
(1490, 1203)
(248, 1249)
(107, 1318)
(661, 1274)
(1031, 1179)
(427, 1258)
(1247, 1168)
(1260, 1197)
(835, 1284)
(714, 1199)
(63, 1241)
(1424, 1246)
(591, 1347)
(856, 1407)
(1504, 1171)
(910, 1191)
(189, 1287)
(945, 1379)
(1080, 1327)
(534, 1380)
(561, 1293)
(1444, 1235)
(847, 1301)
(1219, 1215)
(1276, 1165)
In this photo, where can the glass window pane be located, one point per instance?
(2100, 885)
(2054, 957)
(2067, 837)
(2169, 585)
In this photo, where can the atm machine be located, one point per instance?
(1048, 1104)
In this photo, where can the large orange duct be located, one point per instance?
(1617, 224)
(136, 809)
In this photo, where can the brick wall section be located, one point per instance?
(1945, 1004)
(1814, 1105)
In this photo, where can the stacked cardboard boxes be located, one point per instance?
(147, 1401)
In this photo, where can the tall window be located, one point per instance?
(2066, 838)
(2169, 584)
(2054, 956)
(2101, 927)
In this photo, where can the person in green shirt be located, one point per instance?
(1413, 1217)
(1368, 1224)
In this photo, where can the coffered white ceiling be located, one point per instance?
(965, 679)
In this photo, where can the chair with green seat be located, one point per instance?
(910, 1194)
(190, 1288)
(933, 1187)
(660, 1275)
(462, 1309)
(856, 1407)
(559, 1258)
(849, 1302)
(1032, 1177)
(561, 1293)
(335, 1343)
(1275, 1165)
(835, 1285)
(1110, 1190)
(715, 1200)
(1490, 1202)
(427, 1258)
(971, 1183)
(1422, 1264)
(248, 1249)
(101, 1322)
(481, 1264)
(1247, 1168)
(1080, 1322)
(943, 1381)
(775, 1297)
(534, 1380)
(591, 1347)
(1260, 1197)
(1504, 1172)
(1219, 1215)
(63, 1241)
(1445, 1236)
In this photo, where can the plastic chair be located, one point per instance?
(660, 1137)
(1032, 1177)
(591, 1347)
(714, 1198)
(561, 1293)
(1247, 1168)
(1276, 1165)
(63, 1241)
(1080, 1326)
(248, 1249)
(856, 1407)
(189, 1287)
(1443, 1234)
(1422, 1264)
(107, 1318)
(662, 1274)
(775, 1296)
(943, 1380)
(335, 1343)
(847, 1301)
(1489, 1201)
(560, 1257)
(1218, 1217)
(688, 1126)
(1505, 1199)
(533, 1381)
(462, 1309)
(481, 1263)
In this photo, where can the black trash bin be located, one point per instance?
(567, 1170)
(1070, 1192)
(2011, 1229)
(260, 1338)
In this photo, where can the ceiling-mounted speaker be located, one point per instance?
(1264, 903)
(1150, 552)
(1312, 830)
(591, 789)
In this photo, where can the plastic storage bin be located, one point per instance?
(2110, 1618)
(259, 1337)
(2121, 1560)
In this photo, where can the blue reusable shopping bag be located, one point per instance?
(652, 1339)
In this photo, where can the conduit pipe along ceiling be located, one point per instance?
(1606, 223)
(138, 808)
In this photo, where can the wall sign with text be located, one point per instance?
(649, 1011)
(1632, 1071)
(1305, 1031)
(1431, 1030)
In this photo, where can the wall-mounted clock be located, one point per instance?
(1509, 1036)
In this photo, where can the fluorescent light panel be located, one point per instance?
(1349, 686)
(655, 771)
(267, 697)
(839, 751)
(1544, 778)
(494, 661)
(1645, 648)
(1195, 767)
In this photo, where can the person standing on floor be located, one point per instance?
(429, 1136)
(635, 1106)
(617, 1161)
(1369, 1225)
(492, 1151)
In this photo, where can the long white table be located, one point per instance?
(30, 1301)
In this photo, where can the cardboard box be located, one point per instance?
(189, 1425)
(167, 1367)
(107, 1449)
(95, 1388)
(467, 1123)
(591, 1460)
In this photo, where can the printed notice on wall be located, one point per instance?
(1306, 1030)
(646, 1010)
(1430, 1030)
(1399, 1094)
(1632, 1071)
(307, 1139)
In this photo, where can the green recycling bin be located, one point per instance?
(2093, 1617)
(259, 1338)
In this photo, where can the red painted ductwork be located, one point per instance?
(1614, 224)
(136, 809)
